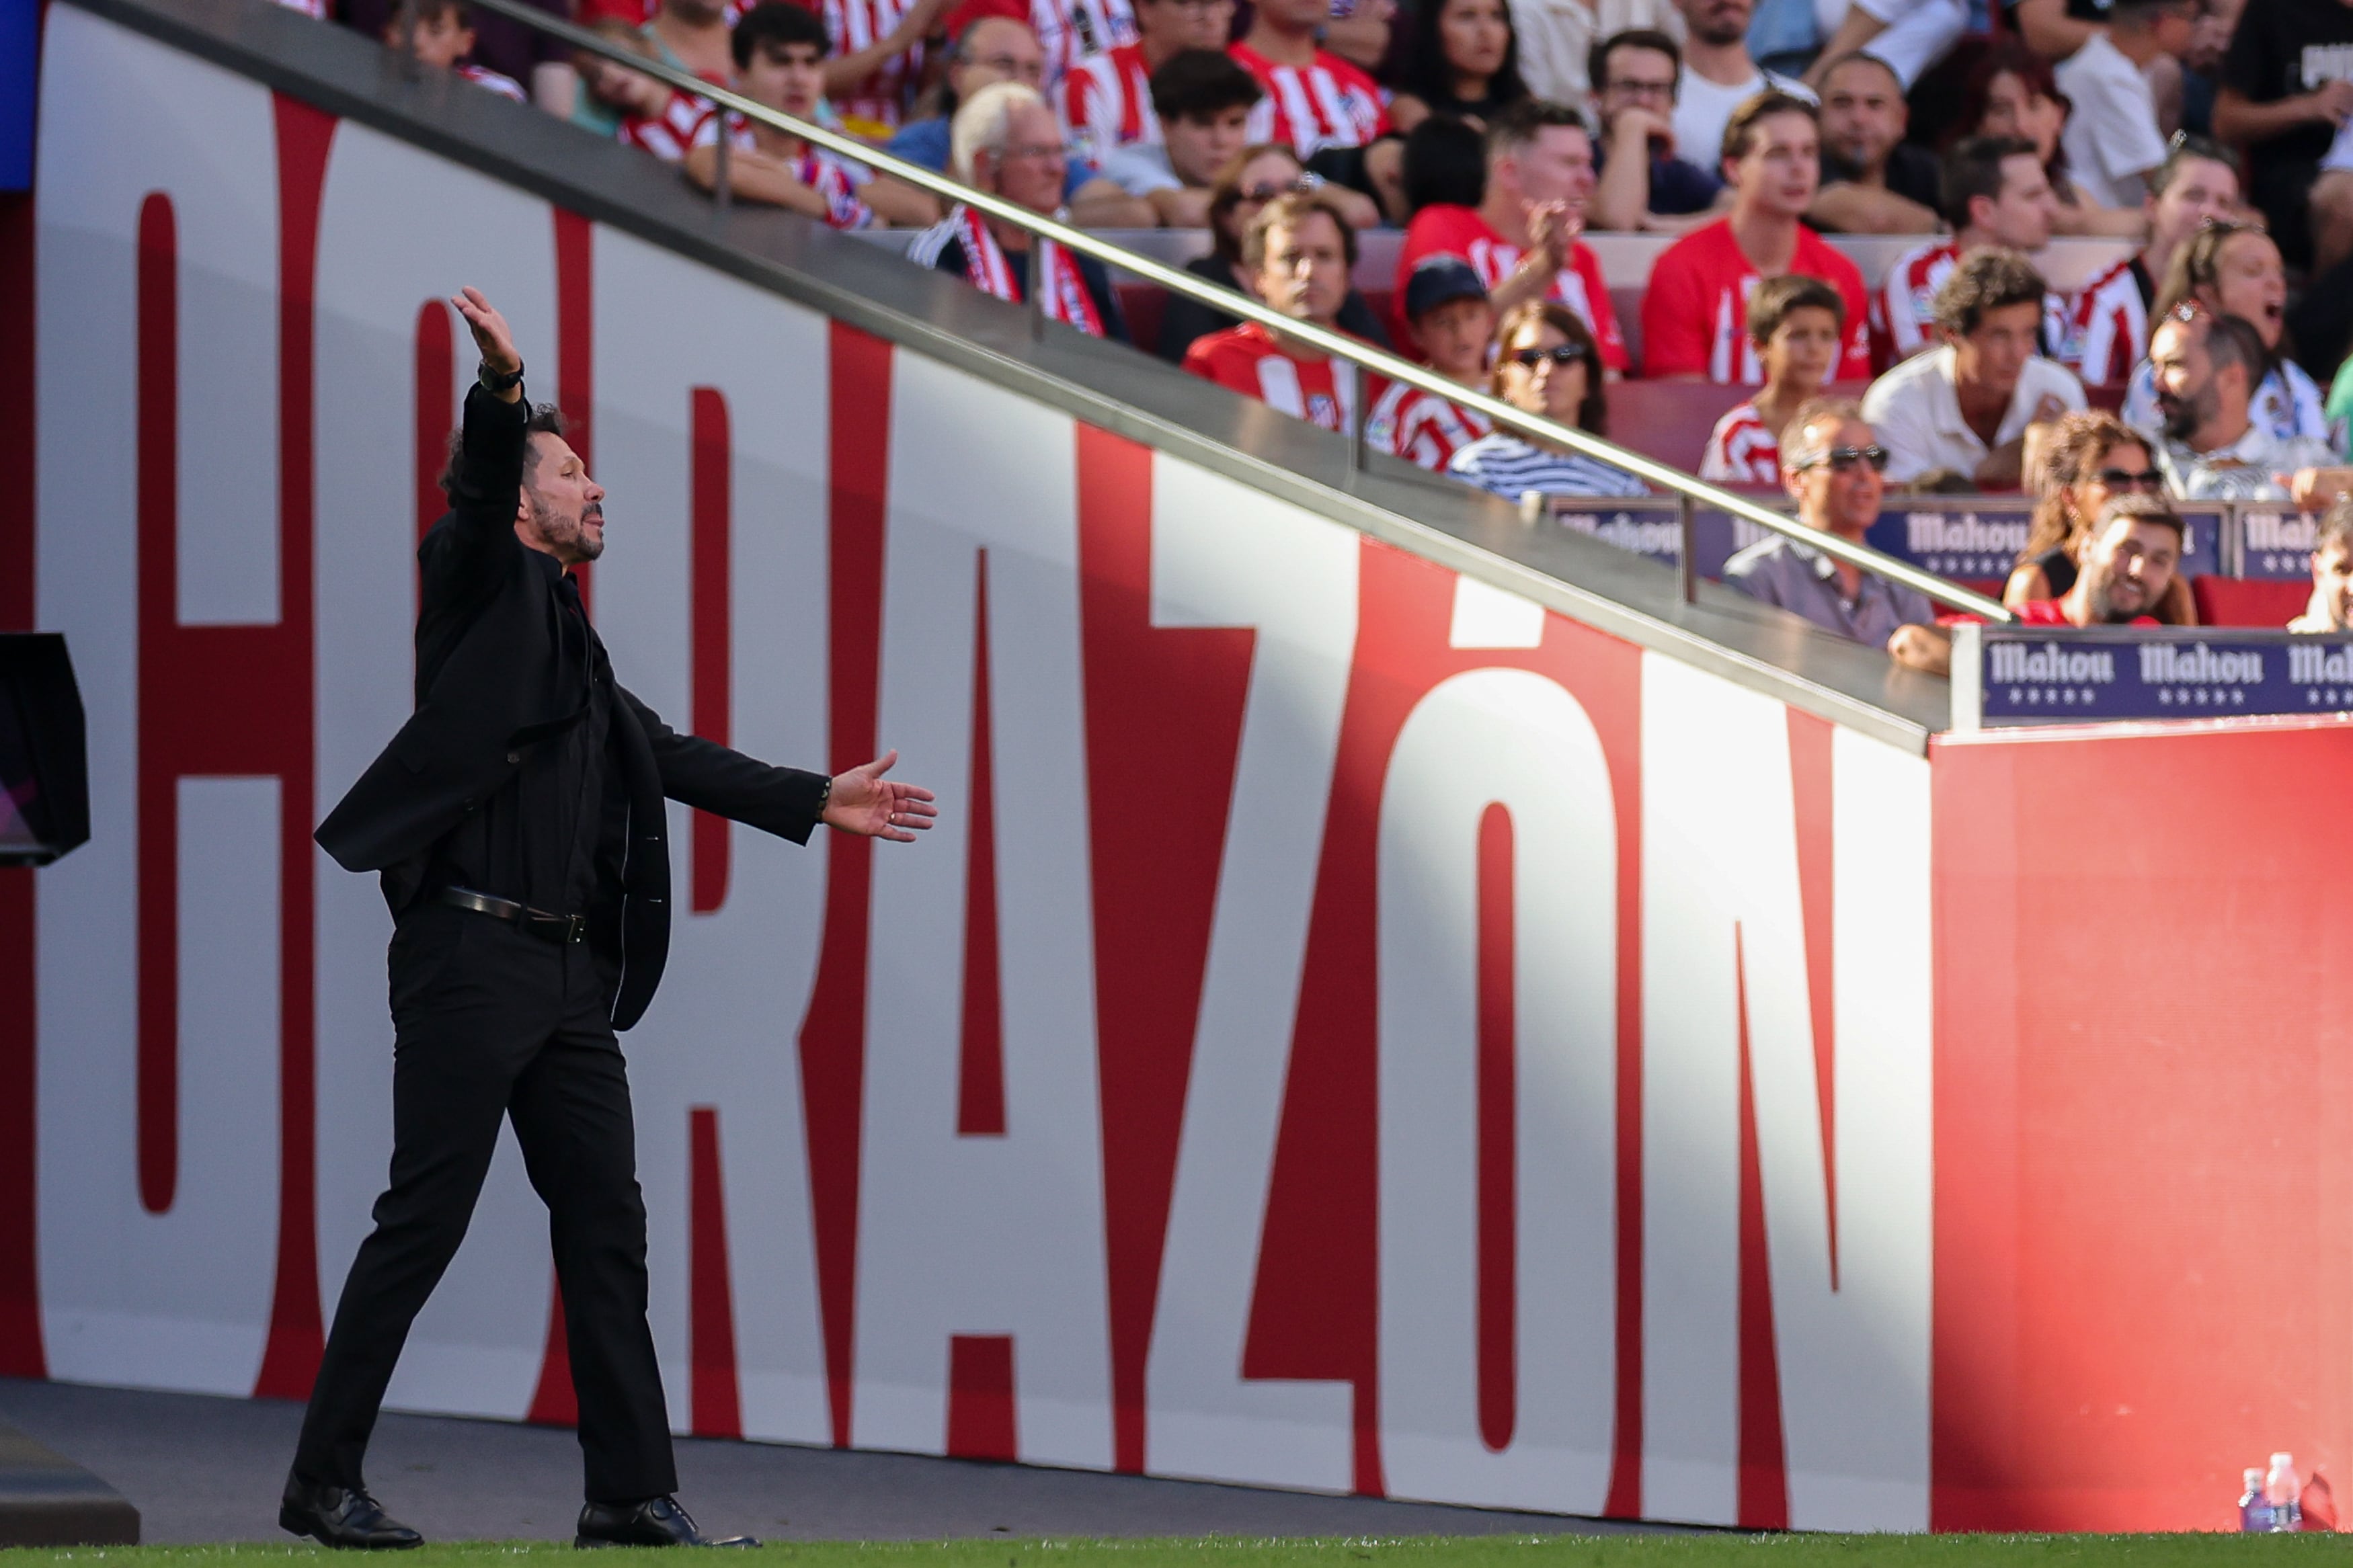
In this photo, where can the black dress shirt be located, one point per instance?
(553, 835)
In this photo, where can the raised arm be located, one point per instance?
(486, 492)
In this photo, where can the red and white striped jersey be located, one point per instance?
(836, 179)
(1425, 430)
(504, 85)
(1741, 450)
(855, 25)
(1905, 315)
(669, 134)
(1071, 30)
(2110, 329)
(1330, 103)
(1247, 359)
(1107, 102)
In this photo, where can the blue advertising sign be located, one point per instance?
(2276, 543)
(1648, 527)
(1980, 538)
(2030, 675)
(1967, 538)
(20, 35)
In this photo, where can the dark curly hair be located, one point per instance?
(1986, 278)
(546, 419)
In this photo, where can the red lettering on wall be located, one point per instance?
(1163, 709)
(575, 349)
(1811, 802)
(1764, 1488)
(710, 512)
(716, 1407)
(833, 1035)
(1499, 1382)
(1312, 1315)
(157, 345)
(283, 705)
(20, 1308)
(980, 1057)
(437, 414)
(981, 1411)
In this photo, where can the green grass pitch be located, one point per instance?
(1696, 1550)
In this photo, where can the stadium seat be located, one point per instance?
(2246, 602)
(1142, 304)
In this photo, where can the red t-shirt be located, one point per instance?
(2039, 612)
(1460, 231)
(1247, 359)
(1329, 103)
(1695, 312)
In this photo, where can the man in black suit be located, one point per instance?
(517, 821)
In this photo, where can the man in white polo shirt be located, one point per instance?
(1966, 406)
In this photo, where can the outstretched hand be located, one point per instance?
(863, 802)
(492, 336)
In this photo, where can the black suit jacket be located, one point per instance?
(486, 687)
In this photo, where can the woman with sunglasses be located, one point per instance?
(1454, 56)
(2233, 268)
(2091, 459)
(1547, 362)
(2012, 92)
(1257, 176)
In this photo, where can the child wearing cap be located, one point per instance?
(1795, 324)
(1455, 324)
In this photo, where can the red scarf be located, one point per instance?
(987, 268)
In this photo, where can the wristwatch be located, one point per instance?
(494, 382)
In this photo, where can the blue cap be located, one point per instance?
(1436, 280)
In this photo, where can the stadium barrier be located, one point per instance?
(1356, 1026)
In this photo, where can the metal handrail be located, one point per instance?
(1338, 345)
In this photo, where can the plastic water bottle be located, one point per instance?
(2284, 1494)
(2254, 1509)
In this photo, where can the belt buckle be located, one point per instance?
(576, 928)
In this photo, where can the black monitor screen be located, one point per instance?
(44, 778)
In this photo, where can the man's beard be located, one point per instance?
(2099, 597)
(1717, 30)
(2181, 416)
(569, 534)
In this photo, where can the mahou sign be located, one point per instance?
(1353, 1028)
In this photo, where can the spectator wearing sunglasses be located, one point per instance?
(2207, 367)
(1833, 467)
(1547, 364)
(1256, 177)
(2125, 569)
(1966, 405)
(2090, 459)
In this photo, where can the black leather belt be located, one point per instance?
(560, 930)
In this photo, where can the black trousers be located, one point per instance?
(492, 1021)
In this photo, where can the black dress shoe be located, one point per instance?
(657, 1521)
(340, 1517)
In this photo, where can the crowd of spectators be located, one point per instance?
(2213, 136)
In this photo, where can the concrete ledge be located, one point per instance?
(46, 1500)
